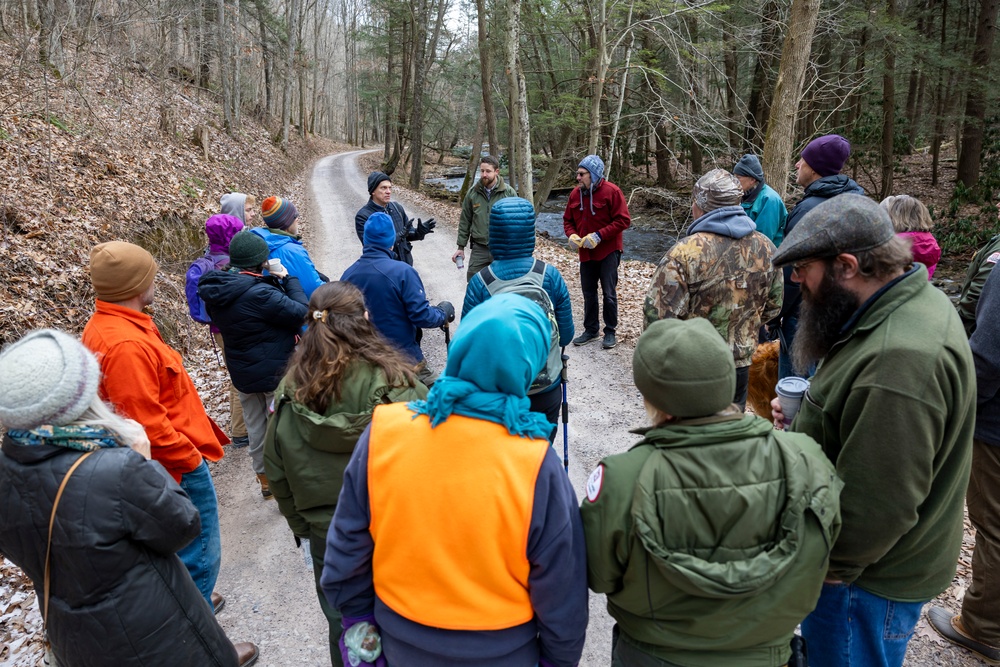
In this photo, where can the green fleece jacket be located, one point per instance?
(711, 539)
(474, 222)
(893, 406)
(305, 453)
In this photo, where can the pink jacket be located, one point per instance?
(925, 249)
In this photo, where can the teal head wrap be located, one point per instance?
(499, 348)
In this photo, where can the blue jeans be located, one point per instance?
(851, 627)
(203, 556)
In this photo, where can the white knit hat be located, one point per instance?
(47, 377)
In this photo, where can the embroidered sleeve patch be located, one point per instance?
(595, 482)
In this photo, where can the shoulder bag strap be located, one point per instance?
(52, 522)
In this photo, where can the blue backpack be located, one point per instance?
(196, 307)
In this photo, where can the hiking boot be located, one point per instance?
(246, 653)
(585, 337)
(609, 341)
(950, 627)
(241, 441)
(218, 602)
(265, 489)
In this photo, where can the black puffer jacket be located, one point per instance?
(119, 594)
(258, 318)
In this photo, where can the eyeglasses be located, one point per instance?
(799, 267)
(582, 173)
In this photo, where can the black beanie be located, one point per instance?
(375, 178)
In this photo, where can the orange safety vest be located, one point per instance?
(450, 514)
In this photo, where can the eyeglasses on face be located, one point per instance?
(799, 267)
(582, 173)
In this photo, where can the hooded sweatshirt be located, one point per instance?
(721, 271)
(234, 204)
(711, 539)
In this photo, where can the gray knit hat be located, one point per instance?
(716, 189)
(47, 377)
(684, 368)
(843, 224)
(749, 165)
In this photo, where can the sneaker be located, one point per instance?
(585, 337)
(950, 627)
(609, 341)
(241, 441)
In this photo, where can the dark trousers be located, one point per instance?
(742, 384)
(605, 272)
(981, 606)
(548, 403)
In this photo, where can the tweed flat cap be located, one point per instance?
(842, 224)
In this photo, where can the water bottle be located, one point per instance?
(363, 643)
(460, 262)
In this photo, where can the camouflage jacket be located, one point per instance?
(728, 281)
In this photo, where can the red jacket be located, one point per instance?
(145, 379)
(604, 211)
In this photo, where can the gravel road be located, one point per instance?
(268, 587)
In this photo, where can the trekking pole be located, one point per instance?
(565, 414)
(447, 335)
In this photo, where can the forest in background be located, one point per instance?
(662, 89)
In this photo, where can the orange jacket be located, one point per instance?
(145, 379)
(421, 566)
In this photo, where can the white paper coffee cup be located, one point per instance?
(790, 391)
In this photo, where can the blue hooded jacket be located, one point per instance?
(512, 242)
(395, 298)
(293, 256)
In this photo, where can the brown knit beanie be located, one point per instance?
(120, 271)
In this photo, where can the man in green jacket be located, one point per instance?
(892, 404)
(711, 536)
(474, 225)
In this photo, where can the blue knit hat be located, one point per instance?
(595, 166)
(749, 165)
(379, 231)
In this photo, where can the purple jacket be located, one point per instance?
(925, 249)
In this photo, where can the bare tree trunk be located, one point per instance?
(732, 72)
(289, 82)
(601, 59)
(470, 168)
(759, 105)
(223, 43)
(520, 166)
(888, 104)
(975, 103)
(486, 80)
(262, 12)
(621, 98)
(802, 18)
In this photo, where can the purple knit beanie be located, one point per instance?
(827, 154)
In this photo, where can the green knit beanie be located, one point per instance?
(247, 251)
(684, 368)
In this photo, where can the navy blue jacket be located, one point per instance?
(258, 317)
(512, 242)
(985, 343)
(404, 232)
(815, 193)
(395, 298)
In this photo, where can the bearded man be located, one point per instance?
(892, 404)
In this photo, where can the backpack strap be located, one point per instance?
(488, 277)
(538, 267)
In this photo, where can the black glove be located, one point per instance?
(423, 229)
(448, 310)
